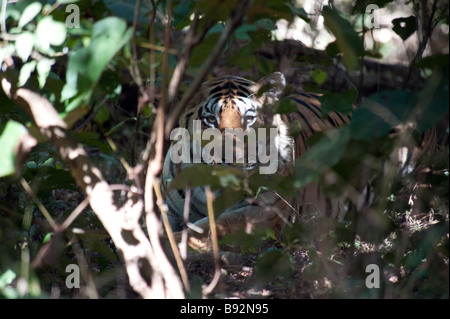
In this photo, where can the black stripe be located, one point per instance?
(199, 113)
(216, 89)
(314, 108)
(239, 99)
(316, 111)
(330, 119)
(193, 208)
(340, 117)
(229, 85)
(306, 121)
(242, 91)
(310, 95)
(217, 95)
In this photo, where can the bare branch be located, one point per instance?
(214, 241)
(122, 223)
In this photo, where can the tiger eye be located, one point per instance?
(211, 119)
(249, 118)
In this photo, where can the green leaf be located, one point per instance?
(286, 106)
(296, 233)
(50, 32)
(272, 9)
(321, 156)
(204, 49)
(7, 278)
(9, 140)
(274, 262)
(202, 174)
(332, 49)
(404, 27)
(47, 238)
(102, 115)
(92, 139)
(319, 76)
(25, 72)
(338, 102)
(434, 99)
(116, 127)
(29, 13)
(434, 61)
(24, 45)
(381, 112)
(248, 242)
(6, 51)
(56, 179)
(7, 105)
(216, 9)
(181, 13)
(86, 65)
(125, 9)
(43, 68)
(348, 41)
(300, 12)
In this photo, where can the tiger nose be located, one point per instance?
(230, 121)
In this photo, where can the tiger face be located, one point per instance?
(234, 107)
(233, 102)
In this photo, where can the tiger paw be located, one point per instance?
(196, 242)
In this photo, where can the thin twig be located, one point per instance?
(159, 48)
(41, 207)
(134, 63)
(214, 241)
(184, 235)
(145, 98)
(136, 73)
(170, 236)
(75, 213)
(152, 57)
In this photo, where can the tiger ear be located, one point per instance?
(269, 88)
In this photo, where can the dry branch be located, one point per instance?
(150, 273)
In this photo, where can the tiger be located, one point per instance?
(232, 102)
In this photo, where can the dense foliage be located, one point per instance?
(109, 67)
